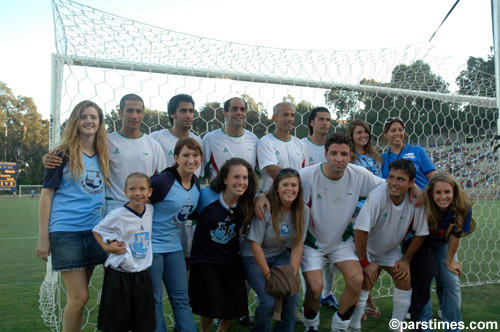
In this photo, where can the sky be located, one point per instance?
(27, 29)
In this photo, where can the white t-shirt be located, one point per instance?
(273, 151)
(386, 223)
(315, 152)
(332, 202)
(128, 155)
(218, 147)
(167, 142)
(124, 224)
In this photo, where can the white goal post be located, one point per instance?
(28, 190)
(102, 57)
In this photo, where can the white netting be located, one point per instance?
(449, 107)
(30, 190)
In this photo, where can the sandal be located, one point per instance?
(373, 312)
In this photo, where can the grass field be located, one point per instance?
(23, 272)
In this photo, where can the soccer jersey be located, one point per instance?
(216, 238)
(415, 154)
(332, 202)
(76, 204)
(128, 155)
(449, 218)
(125, 224)
(387, 223)
(167, 142)
(264, 233)
(218, 147)
(273, 151)
(315, 152)
(173, 204)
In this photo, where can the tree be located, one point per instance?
(479, 77)
(26, 135)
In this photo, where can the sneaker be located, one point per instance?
(408, 316)
(246, 321)
(331, 302)
(440, 314)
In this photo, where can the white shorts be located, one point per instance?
(312, 259)
(387, 259)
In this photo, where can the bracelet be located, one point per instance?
(364, 262)
(267, 274)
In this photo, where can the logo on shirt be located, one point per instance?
(171, 153)
(277, 153)
(285, 230)
(92, 182)
(116, 151)
(225, 150)
(140, 246)
(318, 197)
(409, 155)
(223, 233)
(180, 217)
(145, 153)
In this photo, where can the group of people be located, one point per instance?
(133, 202)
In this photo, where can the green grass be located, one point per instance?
(23, 272)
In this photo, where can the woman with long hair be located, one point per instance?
(70, 206)
(176, 192)
(217, 279)
(449, 214)
(394, 133)
(266, 246)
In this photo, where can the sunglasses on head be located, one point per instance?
(288, 170)
(391, 120)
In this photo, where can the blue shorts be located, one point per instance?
(75, 250)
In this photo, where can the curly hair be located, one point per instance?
(460, 205)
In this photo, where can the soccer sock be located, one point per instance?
(338, 324)
(311, 318)
(360, 309)
(401, 301)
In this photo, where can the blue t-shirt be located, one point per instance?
(420, 160)
(368, 162)
(216, 238)
(173, 204)
(76, 205)
(445, 223)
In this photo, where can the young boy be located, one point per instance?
(125, 233)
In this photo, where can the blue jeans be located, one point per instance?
(450, 285)
(264, 313)
(171, 269)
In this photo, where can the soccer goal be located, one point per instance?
(28, 190)
(450, 107)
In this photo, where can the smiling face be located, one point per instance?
(288, 190)
(88, 124)
(132, 116)
(137, 191)
(395, 134)
(188, 160)
(398, 184)
(183, 116)
(236, 181)
(442, 194)
(285, 119)
(360, 137)
(237, 113)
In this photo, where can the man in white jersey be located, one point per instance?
(232, 140)
(382, 224)
(129, 151)
(332, 190)
(319, 124)
(181, 115)
(280, 149)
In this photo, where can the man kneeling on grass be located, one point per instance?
(386, 218)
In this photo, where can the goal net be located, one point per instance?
(449, 106)
(29, 190)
